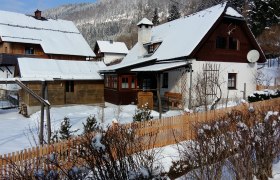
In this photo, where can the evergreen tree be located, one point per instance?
(155, 19)
(173, 13)
(65, 132)
(238, 5)
(91, 125)
(263, 15)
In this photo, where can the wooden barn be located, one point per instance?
(168, 58)
(67, 82)
(37, 37)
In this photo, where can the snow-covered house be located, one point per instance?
(35, 36)
(67, 82)
(169, 58)
(109, 51)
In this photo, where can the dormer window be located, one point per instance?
(29, 50)
(153, 47)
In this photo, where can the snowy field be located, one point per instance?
(17, 132)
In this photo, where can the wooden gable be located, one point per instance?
(229, 40)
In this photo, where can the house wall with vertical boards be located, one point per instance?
(226, 29)
(85, 92)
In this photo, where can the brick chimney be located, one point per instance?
(38, 14)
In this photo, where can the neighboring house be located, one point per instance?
(169, 58)
(110, 52)
(35, 36)
(68, 82)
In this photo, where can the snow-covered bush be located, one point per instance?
(245, 142)
(116, 154)
(142, 114)
(263, 95)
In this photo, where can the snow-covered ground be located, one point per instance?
(16, 131)
(5, 104)
(270, 76)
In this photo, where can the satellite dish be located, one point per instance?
(253, 56)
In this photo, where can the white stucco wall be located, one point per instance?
(110, 57)
(245, 73)
(174, 81)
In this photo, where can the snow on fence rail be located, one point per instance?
(165, 131)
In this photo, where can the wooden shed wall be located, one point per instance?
(85, 92)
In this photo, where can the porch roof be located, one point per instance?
(160, 67)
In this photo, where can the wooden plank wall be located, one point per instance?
(19, 49)
(163, 131)
(85, 92)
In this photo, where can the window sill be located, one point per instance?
(232, 88)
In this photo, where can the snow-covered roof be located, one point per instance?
(159, 67)
(145, 21)
(178, 38)
(32, 69)
(231, 12)
(54, 36)
(112, 47)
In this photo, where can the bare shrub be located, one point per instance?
(242, 144)
(115, 153)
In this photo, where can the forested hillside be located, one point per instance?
(117, 19)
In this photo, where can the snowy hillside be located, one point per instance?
(108, 19)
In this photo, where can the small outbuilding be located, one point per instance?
(67, 82)
(110, 52)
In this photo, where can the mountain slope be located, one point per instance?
(112, 19)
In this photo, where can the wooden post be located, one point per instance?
(48, 115)
(158, 95)
(41, 131)
(244, 92)
(190, 89)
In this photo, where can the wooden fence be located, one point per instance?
(262, 87)
(164, 131)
